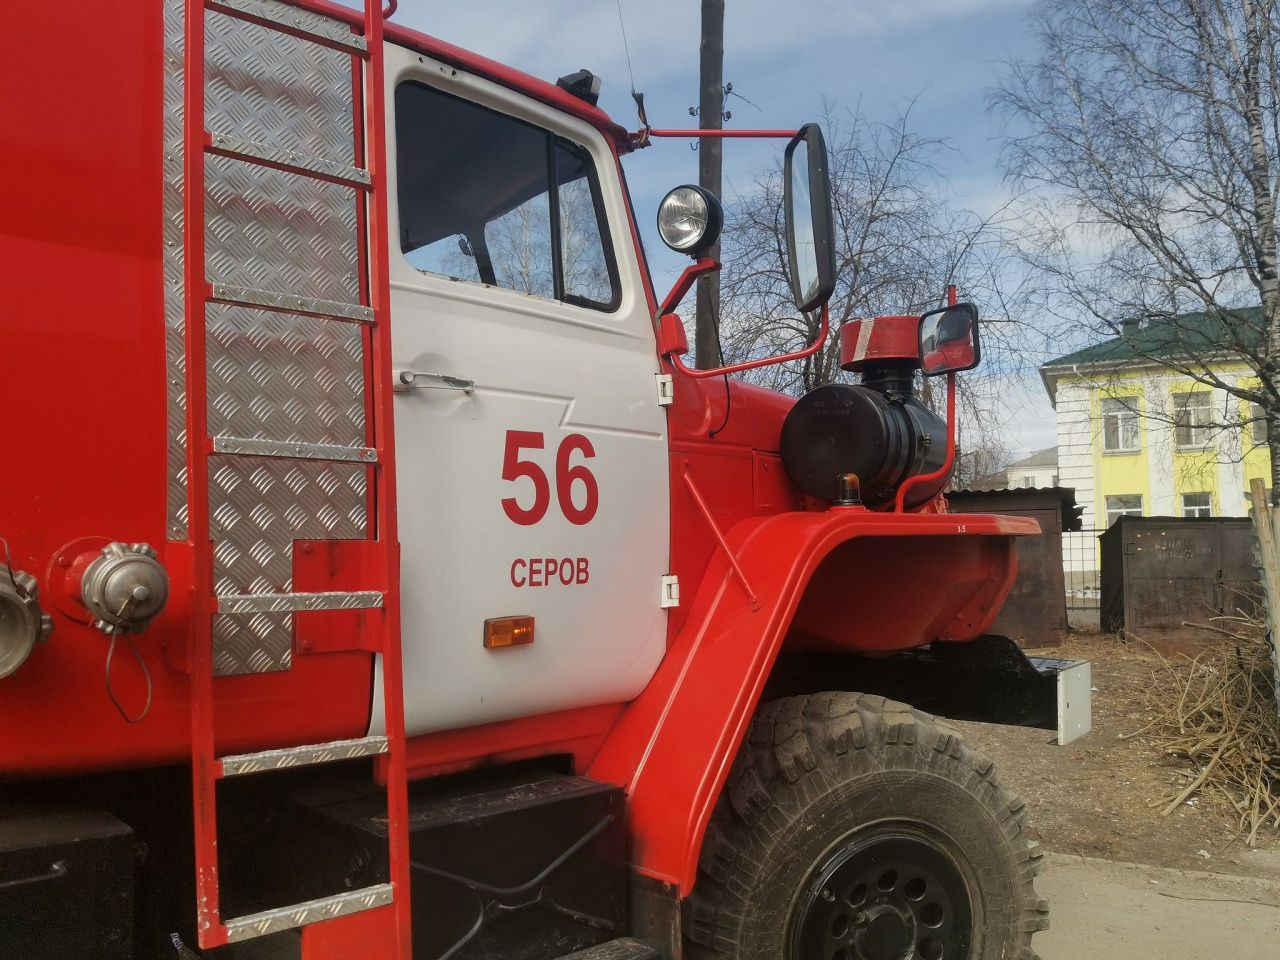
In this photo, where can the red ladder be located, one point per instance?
(382, 927)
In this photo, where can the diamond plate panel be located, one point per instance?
(280, 232)
(268, 87)
(257, 509)
(174, 309)
(298, 234)
(278, 376)
(271, 376)
(243, 763)
(313, 911)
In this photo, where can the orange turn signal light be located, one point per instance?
(508, 632)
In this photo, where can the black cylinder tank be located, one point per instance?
(848, 428)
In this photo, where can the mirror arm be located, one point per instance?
(709, 132)
(900, 504)
(691, 273)
(808, 351)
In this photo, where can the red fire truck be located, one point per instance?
(378, 581)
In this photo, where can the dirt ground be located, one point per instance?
(1101, 796)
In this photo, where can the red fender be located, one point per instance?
(675, 743)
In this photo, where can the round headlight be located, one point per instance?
(689, 219)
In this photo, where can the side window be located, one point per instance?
(519, 247)
(449, 256)
(486, 198)
(586, 267)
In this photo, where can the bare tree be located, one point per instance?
(1149, 130)
(899, 243)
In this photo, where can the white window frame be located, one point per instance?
(1198, 511)
(1124, 412)
(1184, 403)
(1258, 435)
(1115, 513)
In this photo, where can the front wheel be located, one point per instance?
(856, 828)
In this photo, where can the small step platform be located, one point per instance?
(239, 764)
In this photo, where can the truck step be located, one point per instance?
(236, 765)
(292, 450)
(290, 161)
(623, 948)
(312, 911)
(292, 20)
(299, 602)
(234, 296)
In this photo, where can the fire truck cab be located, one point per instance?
(376, 579)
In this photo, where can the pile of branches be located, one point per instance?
(1224, 721)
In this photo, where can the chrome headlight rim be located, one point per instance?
(690, 219)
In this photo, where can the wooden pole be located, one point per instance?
(1264, 528)
(710, 163)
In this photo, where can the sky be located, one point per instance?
(787, 59)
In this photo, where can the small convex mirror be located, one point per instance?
(949, 340)
(807, 201)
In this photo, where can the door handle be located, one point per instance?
(402, 381)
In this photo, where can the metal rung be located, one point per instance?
(288, 303)
(298, 602)
(298, 163)
(286, 17)
(240, 764)
(293, 450)
(312, 911)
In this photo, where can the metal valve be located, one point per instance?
(22, 622)
(124, 588)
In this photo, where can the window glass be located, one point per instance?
(450, 256)
(1191, 418)
(486, 198)
(1123, 505)
(1197, 505)
(1257, 424)
(519, 246)
(585, 266)
(1119, 426)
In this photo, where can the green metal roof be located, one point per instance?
(1186, 335)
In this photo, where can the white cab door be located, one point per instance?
(543, 491)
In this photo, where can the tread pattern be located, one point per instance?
(797, 751)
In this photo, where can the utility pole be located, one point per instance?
(710, 153)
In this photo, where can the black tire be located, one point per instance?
(832, 794)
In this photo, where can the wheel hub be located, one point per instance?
(888, 895)
(883, 933)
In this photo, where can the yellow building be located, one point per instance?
(1135, 437)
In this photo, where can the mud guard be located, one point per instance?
(675, 743)
(989, 680)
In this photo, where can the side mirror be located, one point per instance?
(949, 340)
(807, 202)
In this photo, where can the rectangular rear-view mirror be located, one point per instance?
(949, 340)
(807, 202)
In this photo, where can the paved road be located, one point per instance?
(1101, 910)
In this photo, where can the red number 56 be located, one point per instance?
(513, 468)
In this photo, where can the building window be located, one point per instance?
(1197, 505)
(1119, 426)
(1191, 419)
(499, 201)
(1257, 425)
(1123, 505)
(1028, 481)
